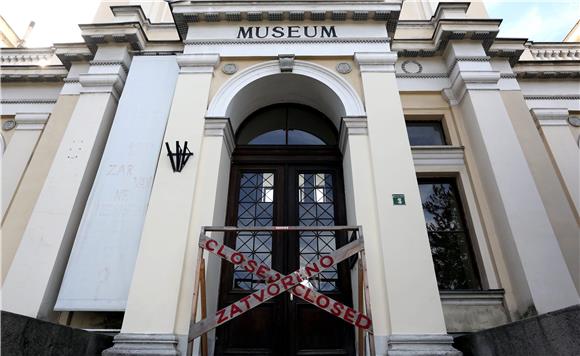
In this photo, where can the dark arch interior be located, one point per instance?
(287, 124)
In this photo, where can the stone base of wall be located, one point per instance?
(555, 333)
(23, 336)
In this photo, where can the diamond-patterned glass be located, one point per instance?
(255, 208)
(316, 208)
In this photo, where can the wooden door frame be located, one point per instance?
(274, 158)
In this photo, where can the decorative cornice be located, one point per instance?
(285, 41)
(221, 126)
(197, 63)
(28, 101)
(555, 52)
(68, 53)
(552, 97)
(33, 74)
(376, 62)
(101, 62)
(192, 12)
(130, 33)
(27, 56)
(422, 75)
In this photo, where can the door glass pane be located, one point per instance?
(255, 208)
(316, 208)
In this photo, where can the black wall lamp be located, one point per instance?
(180, 157)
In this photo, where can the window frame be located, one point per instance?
(467, 231)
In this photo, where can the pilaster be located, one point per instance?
(529, 242)
(555, 129)
(154, 296)
(32, 283)
(414, 308)
(360, 194)
(18, 153)
(25, 197)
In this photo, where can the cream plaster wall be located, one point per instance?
(421, 104)
(17, 216)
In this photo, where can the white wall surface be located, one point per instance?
(102, 260)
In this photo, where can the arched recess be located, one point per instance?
(308, 84)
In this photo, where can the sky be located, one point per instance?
(57, 20)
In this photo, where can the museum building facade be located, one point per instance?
(237, 177)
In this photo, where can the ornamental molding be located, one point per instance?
(28, 101)
(376, 62)
(351, 126)
(130, 33)
(458, 59)
(405, 67)
(438, 156)
(102, 62)
(422, 75)
(31, 121)
(286, 41)
(222, 127)
(343, 68)
(26, 56)
(219, 105)
(102, 83)
(552, 97)
(35, 74)
(185, 13)
(197, 63)
(555, 53)
(551, 117)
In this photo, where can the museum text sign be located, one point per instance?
(252, 32)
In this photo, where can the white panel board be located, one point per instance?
(100, 268)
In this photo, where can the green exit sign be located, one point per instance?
(399, 199)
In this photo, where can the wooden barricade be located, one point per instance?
(276, 284)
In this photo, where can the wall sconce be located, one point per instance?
(180, 157)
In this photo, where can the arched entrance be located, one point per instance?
(286, 170)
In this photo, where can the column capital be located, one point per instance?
(382, 62)
(351, 125)
(551, 117)
(107, 71)
(197, 63)
(220, 126)
(102, 83)
(31, 121)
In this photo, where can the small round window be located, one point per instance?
(287, 125)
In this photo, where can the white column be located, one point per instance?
(209, 209)
(149, 325)
(32, 283)
(414, 308)
(538, 272)
(563, 148)
(360, 196)
(19, 152)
